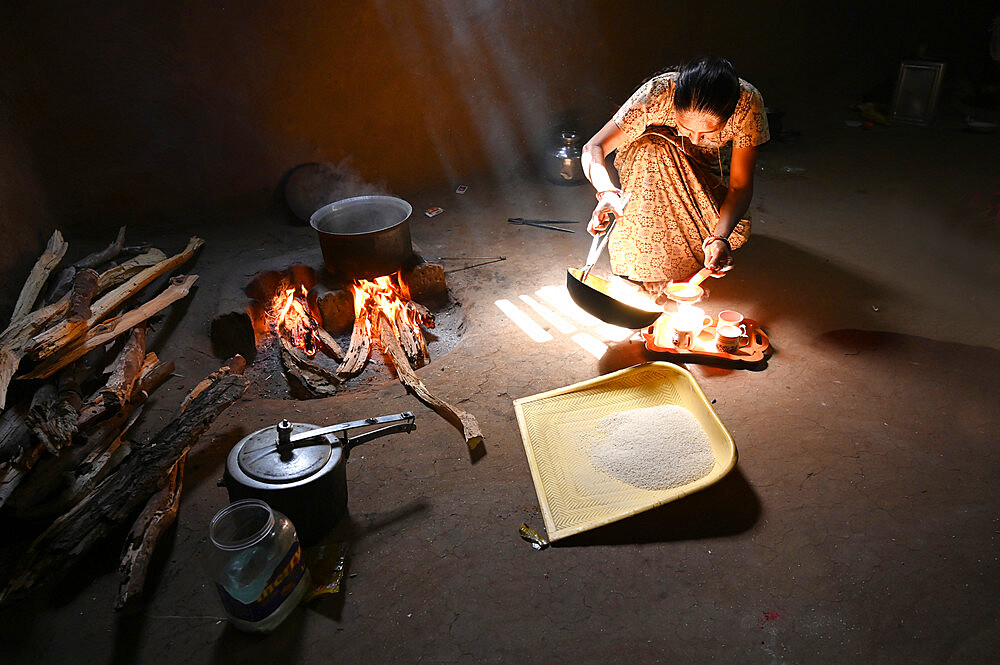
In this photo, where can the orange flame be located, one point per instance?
(295, 321)
(381, 295)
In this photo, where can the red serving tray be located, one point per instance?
(758, 349)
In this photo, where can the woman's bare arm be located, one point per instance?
(596, 149)
(735, 205)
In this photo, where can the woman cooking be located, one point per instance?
(676, 211)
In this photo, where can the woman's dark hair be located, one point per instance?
(707, 85)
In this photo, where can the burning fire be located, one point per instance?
(294, 320)
(381, 295)
(295, 325)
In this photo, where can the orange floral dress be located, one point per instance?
(676, 188)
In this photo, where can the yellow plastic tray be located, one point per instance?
(556, 428)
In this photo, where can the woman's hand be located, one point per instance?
(610, 202)
(718, 256)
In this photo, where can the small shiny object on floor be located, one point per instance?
(537, 540)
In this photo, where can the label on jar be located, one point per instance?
(287, 574)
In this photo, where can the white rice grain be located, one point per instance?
(655, 448)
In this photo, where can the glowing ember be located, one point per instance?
(294, 320)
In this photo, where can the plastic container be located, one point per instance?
(256, 563)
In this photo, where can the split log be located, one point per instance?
(358, 351)
(118, 496)
(151, 375)
(158, 515)
(315, 379)
(411, 339)
(125, 370)
(16, 337)
(46, 263)
(235, 365)
(179, 288)
(420, 314)
(65, 333)
(89, 462)
(54, 411)
(81, 470)
(82, 293)
(327, 340)
(463, 420)
(54, 473)
(120, 274)
(68, 276)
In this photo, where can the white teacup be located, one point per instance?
(730, 339)
(686, 325)
(730, 317)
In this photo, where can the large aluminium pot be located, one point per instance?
(299, 469)
(364, 237)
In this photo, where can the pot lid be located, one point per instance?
(259, 457)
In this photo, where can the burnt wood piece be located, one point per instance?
(82, 293)
(105, 332)
(411, 340)
(46, 263)
(125, 370)
(68, 275)
(79, 470)
(463, 420)
(54, 410)
(421, 313)
(359, 350)
(327, 340)
(41, 408)
(158, 515)
(113, 501)
(424, 283)
(65, 333)
(59, 482)
(315, 379)
(16, 436)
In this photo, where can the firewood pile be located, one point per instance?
(67, 466)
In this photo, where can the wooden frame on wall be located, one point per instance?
(917, 90)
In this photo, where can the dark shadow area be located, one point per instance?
(278, 209)
(774, 281)
(17, 617)
(896, 357)
(282, 645)
(727, 508)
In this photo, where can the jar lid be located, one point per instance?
(259, 458)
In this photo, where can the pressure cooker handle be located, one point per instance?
(288, 442)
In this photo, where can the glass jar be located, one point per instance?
(562, 164)
(256, 562)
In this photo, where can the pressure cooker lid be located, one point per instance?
(259, 458)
